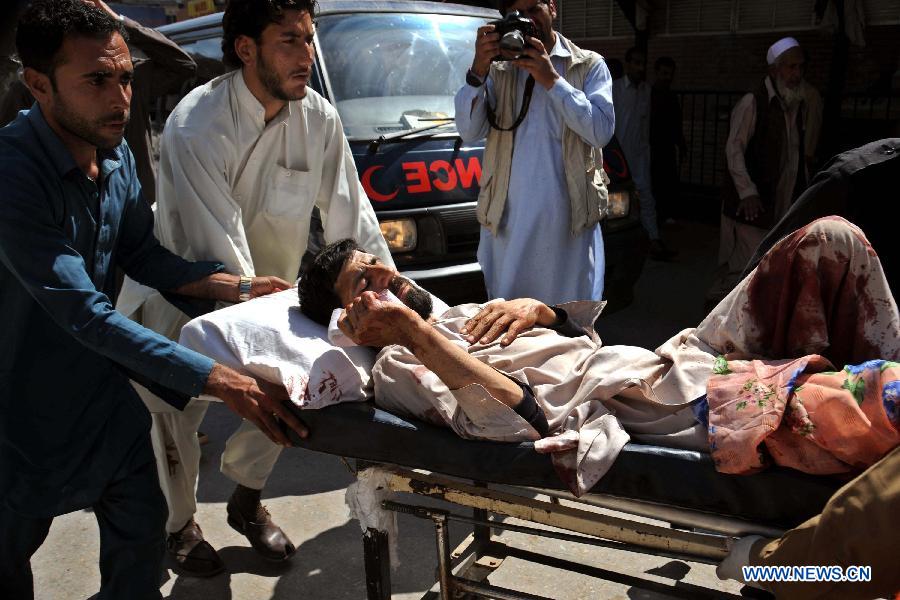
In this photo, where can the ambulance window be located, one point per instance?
(394, 71)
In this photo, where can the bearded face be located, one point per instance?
(787, 73)
(792, 96)
(284, 56)
(104, 130)
(88, 96)
(363, 272)
(412, 296)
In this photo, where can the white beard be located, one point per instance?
(791, 96)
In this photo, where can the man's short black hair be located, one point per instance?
(634, 50)
(316, 288)
(44, 26)
(664, 61)
(250, 17)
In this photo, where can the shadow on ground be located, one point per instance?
(298, 472)
(669, 296)
(328, 566)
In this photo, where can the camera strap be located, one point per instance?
(526, 101)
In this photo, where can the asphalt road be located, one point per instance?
(306, 497)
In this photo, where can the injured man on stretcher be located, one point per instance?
(794, 367)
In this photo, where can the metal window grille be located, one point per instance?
(768, 15)
(882, 12)
(586, 19)
(705, 122)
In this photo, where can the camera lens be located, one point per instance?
(512, 41)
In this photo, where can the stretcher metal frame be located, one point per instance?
(462, 572)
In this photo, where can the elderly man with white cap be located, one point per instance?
(766, 160)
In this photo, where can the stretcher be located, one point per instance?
(702, 510)
(698, 512)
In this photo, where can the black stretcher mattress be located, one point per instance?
(683, 478)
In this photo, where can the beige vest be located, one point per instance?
(585, 179)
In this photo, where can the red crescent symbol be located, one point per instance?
(367, 185)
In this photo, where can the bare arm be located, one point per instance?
(225, 287)
(371, 322)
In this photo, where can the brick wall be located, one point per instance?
(737, 61)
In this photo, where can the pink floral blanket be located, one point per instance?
(803, 414)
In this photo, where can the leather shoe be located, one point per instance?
(192, 555)
(265, 536)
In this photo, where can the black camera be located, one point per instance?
(513, 29)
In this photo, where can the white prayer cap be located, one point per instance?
(779, 48)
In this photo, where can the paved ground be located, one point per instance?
(306, 494)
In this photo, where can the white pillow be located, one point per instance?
(270, 338)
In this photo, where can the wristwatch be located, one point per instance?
(244, 287)
(473, 79)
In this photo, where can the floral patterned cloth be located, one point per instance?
(821, 291)
(818, 298)
(802, 414)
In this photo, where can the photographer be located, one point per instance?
(546, 115)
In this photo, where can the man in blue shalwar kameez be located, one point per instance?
(543, 192)
(73, 432)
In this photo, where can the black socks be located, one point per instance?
(246, 500)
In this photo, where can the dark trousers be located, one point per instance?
(665, 183)
(131, 513)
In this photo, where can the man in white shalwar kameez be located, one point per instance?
(245, 158)
(543, 192)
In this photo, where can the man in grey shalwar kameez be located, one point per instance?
(520, 370)
(430, 370)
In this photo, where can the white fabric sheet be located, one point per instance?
(270, 338)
